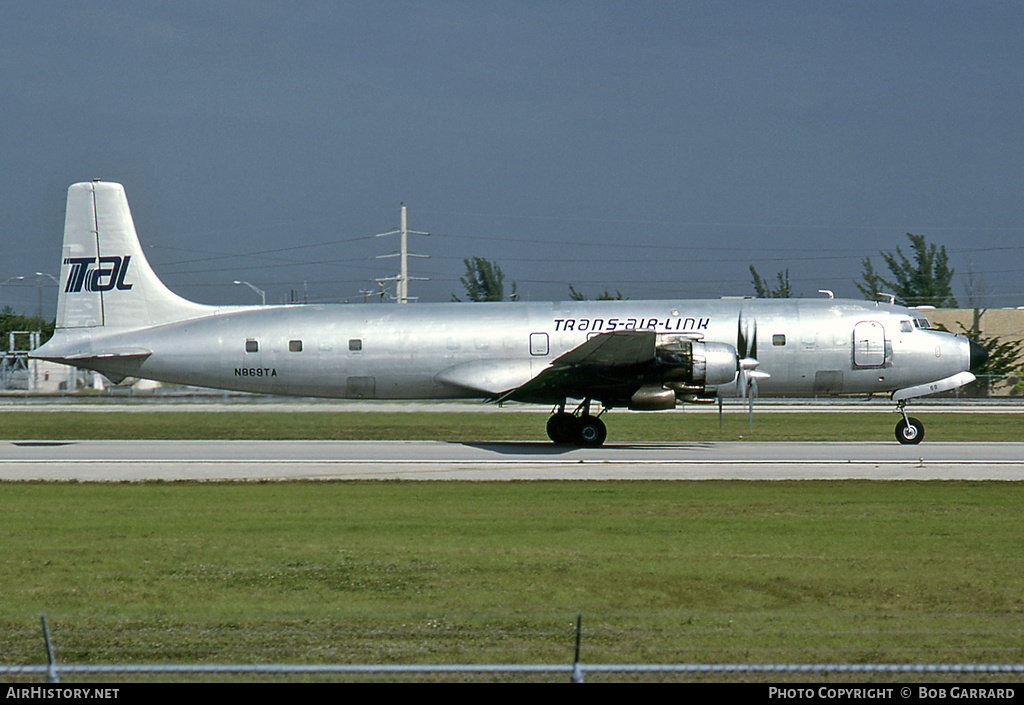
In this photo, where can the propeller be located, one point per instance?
(746, 352)
(747, 373)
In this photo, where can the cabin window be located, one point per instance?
(252, 345)
(778, 339)
(294, 346)
(355, 344)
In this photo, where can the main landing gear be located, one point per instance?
(578, 428)
(909, 430)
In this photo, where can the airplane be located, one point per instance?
(116, 317)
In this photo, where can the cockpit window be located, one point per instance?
(922, 323)
(906, 327)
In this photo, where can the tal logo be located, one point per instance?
(97, 274)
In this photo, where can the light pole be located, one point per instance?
(263, 294)
(12, 279)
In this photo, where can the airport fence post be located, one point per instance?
(51, 668)
(577, 672)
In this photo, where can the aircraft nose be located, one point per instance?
(979, 356)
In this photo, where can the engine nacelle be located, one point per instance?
(686, 369)
(720, 363)
(696, 365)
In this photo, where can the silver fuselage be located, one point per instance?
(381, 351)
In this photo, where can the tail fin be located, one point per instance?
(105, 278)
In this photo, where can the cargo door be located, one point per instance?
(868, 344)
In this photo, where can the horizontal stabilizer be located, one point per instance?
(84, 355)
(108, 354)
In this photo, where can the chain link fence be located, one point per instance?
(66, 673)
(516, 673)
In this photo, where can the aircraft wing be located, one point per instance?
(617, 349)
(606, 366)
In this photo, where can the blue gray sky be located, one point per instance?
(652, 148)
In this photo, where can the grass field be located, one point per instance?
(411, 572)
(406, 572)
(254, 425)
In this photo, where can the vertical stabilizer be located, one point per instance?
(105, 278)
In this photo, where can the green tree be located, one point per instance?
(10, 321)
(871, 284)
(604, 296)
(783, 290)
(924, 279)
(484, 281)
(1005, 357)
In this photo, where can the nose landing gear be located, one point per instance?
(909, 431)
(577, 428)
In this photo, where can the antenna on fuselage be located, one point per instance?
(402, 290)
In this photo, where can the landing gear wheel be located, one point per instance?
(562, 428)
(591, 431)
(909, 431)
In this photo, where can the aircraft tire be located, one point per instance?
(562, 428)
(910, 434)
(591, 432)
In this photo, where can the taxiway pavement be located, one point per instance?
(137, 461)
